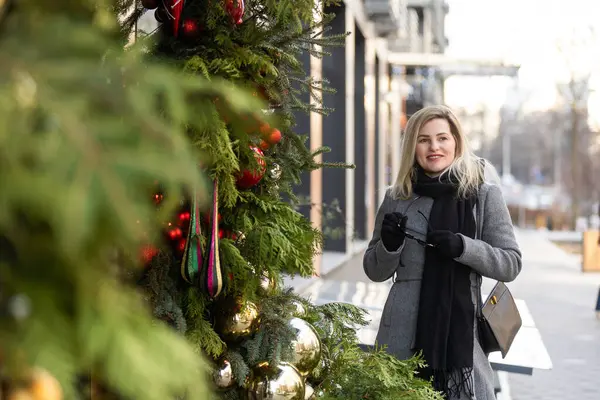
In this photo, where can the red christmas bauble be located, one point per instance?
(150, 4)
(235, 8)
(247, 179)
(274, 137)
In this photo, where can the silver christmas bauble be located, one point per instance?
(275, 171)
(223, 375)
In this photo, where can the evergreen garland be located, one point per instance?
(86, 128)
(92, 128)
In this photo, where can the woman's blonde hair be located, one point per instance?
(467, 168)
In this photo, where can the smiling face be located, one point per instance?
(436, 147)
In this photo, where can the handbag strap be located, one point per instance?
(479, 302)
(478, 221)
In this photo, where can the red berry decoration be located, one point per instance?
(235, 8)
(158, 198)
(183, 218)
(190, 28)
(247, 179)
(147, 253)
(175, 233)
(150, 4)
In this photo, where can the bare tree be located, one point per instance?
(577, 50)
(530, 148)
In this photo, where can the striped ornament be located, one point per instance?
(211, 276)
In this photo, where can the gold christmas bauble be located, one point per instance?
(236, 319)
(283, 382)
(20, 394)
(44, 386)
(309, 392)
(306, 345)
(318, 374)
(223, 374)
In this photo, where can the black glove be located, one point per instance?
(447, 243)
(392, 230)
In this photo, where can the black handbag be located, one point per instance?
(498, 320)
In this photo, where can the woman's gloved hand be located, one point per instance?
(447, 243)
(392, 230)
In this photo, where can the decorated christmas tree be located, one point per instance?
(147, 208)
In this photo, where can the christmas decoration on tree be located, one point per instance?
(133, 262)
(265, 342)
(89, 129)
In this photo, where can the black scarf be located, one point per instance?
(446, 311)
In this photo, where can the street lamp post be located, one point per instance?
(506, 161)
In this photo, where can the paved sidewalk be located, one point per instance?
(561, 300)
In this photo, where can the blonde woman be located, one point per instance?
(440, 228)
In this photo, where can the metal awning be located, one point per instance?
(455, 66)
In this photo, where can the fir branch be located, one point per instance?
(232, 394)
(375, 374)
(236, 269)
(200, 332)
(240, 368)
(343, 313)
(336, 165)
(198, 66)
(320, 150)
(272, 342)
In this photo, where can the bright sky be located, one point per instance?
(520, 31)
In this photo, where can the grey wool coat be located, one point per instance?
(494, 253)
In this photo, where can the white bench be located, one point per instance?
(527, 351)
(526, 354)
